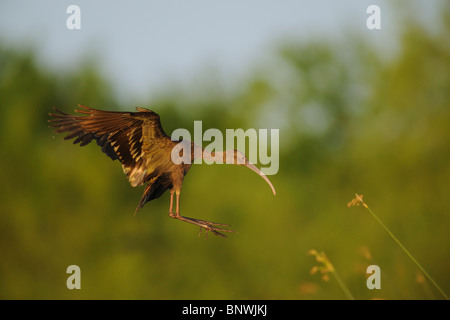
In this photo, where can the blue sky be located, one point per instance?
(143, 45)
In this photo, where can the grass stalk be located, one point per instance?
(328, 267)
(358, 200)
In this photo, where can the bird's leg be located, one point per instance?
(203, 224)
(171, 204)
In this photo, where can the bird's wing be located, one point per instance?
(131, 137)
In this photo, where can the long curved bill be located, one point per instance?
(259, 172)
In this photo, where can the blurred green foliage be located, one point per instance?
(349, 122)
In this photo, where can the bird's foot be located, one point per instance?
(214, 227)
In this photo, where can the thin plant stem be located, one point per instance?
(359, 199)
(343, 286)
(328, 267)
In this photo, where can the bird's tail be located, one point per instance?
(145, 198)
(152, 191)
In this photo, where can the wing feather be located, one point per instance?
(136, 139)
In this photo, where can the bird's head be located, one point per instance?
(238, 158)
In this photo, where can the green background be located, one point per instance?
(350, 120)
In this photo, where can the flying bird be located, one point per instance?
(139, 142)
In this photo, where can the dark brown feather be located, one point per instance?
(136, 139)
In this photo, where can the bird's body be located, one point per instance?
(139, 142)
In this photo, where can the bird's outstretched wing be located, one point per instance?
(134, 138)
